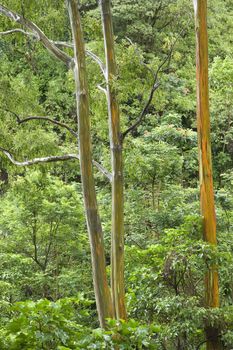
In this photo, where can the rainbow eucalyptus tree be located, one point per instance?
(116, 145)
(102, 292)
(116, 138)
(205, 164)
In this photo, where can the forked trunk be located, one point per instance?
(205, 163)
(117, 273)
(102, 291)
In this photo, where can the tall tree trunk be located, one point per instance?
(102, 291)
(117, 277)
(205, 163)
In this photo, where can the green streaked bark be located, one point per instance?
(102, 291)
(117, 263)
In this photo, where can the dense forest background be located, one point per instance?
(47, 297)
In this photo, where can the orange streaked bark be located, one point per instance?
(205, 163)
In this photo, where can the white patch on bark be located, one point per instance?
(195, 6)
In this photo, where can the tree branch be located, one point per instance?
(15, 114)
(51, 159)
(102, 170)
(98, 61)
(154, 87)
(37, 33)
(88, 53)
(53, 121)
(38, 160)
(63, 125)
(64, 44)
(137, 52)
(101, 88)
(19, 30)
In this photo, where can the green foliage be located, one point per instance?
(61, 325)
(44, 250)
(39, 216)
(123, 335)
(44, 324)
(163, 284)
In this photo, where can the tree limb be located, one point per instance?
(137, 52)
(38, 160)
(98, 61)
(37, 33)
(101, 88)
(63, 125)
(53, 121)
(64, 44)
(88, 53)
(102, 170)
(19, 30)
(15, 114)
(154, 87)
(51, 159)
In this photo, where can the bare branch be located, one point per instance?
(156, 14)
(165, 25)
(51, 159)
(167, 59)
(98, 61)
(53, 121)
(64, 44)
(88, 53)
(139, 56)
(143, 112)
(169, 55)
(48, 44)
(101, 88)
(15, 114)
(19, 30)
(154, 87)
(56, 122)
(38, 160)
(102, 170)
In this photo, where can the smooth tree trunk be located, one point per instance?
(205, 163)
(117, 258)
(102, 290)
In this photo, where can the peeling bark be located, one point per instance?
(117, 259)
(205, 164)
(102, 291)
